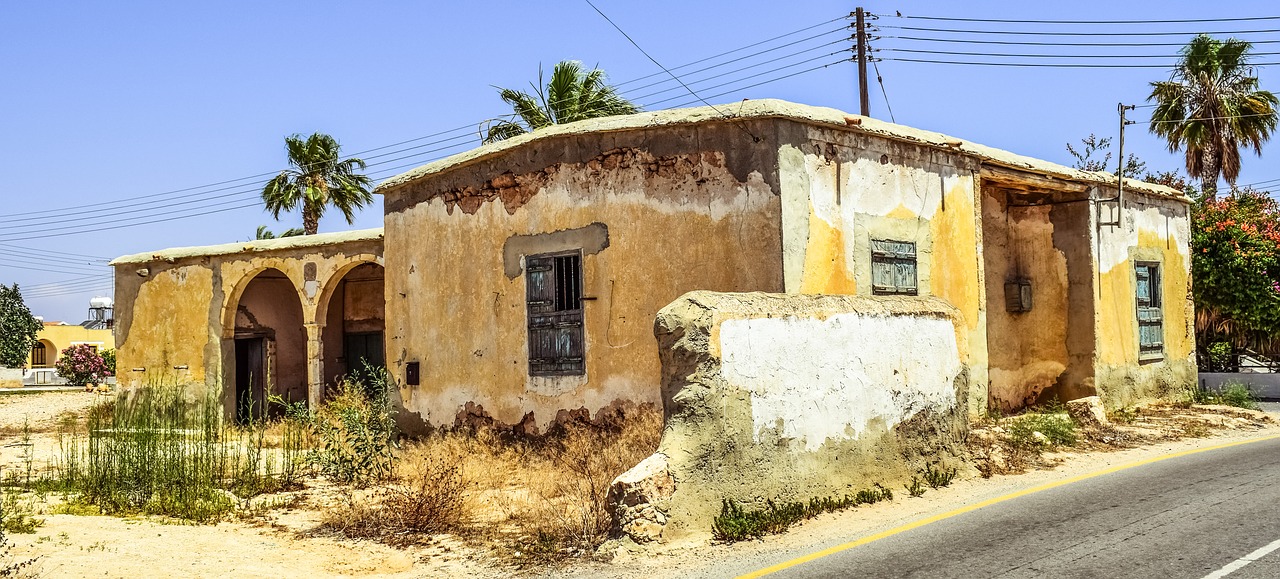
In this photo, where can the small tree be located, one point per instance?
(80, 365)
(18, 328)
(1235, 269)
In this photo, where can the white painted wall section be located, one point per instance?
(832, 379)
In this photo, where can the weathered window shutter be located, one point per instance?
(893, 268)
(1150, 315)
(553, 297)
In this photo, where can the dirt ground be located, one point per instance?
(280, 543)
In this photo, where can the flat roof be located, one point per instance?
(255, 246)
(775, 108)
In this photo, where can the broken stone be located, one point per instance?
(1088, 413)
(634, 495)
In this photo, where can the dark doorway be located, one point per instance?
(364, 349)
(251, 396)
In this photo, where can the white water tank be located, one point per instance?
(101, 303)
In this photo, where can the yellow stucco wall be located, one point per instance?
(176, 309)
(62, 336)
(1153, 230)
(854, 189)
(677, 219)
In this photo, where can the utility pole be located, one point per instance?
(1120, 170)
(863, 100)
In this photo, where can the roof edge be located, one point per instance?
(772, 108)
(255, 246)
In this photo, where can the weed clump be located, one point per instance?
(916, 488)
(1053, 425)
(938, 478)
(156, 452)
(736, 524)
(355, 431)
(1238, 395)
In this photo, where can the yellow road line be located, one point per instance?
(1000, 499)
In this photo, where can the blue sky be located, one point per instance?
(104, 103)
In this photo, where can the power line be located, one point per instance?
(752, 55)
(1011, 21)
(1046, 64)
(1048, 33)
(762, 42)
(1034, 43)
(1079, 56)
(664, 69)
(723, 84)
(880, 80)
(764, 82)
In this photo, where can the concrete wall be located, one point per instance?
(11, 377)
(176, 309)
(1153, 229)
(789, 397)
(656, 213)
(842, 189)
(1265, 386)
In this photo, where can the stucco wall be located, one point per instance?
(58, 337)
(176, 309)
(1048, 351)
(655, 213)
(842, 189)
(1156, 230)
(790, 397)
(11, 377)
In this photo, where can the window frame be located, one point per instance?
(894, 254)
(1149, 309)
(553, 320)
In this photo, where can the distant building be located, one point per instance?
(55, 337)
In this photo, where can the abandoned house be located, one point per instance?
(519, 281)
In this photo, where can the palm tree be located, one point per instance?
(264, 233)
(320, 177)
(1212, 107)
(572, 94)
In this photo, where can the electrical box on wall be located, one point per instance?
(411, 374)
(1017, 295)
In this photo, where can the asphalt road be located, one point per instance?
(1189, 516)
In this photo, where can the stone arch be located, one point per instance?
(50, 354)
(265, 340)
(351, 318)
(241, 283)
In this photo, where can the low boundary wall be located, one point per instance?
(790, 397)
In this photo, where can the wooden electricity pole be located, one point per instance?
(863, 100)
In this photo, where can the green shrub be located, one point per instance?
(355, 431)
(1237, 395)
(736, 524)
(938, 478)
(1056, 426)
(916, 488)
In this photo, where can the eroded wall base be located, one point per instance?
(790, 397)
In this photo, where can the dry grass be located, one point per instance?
(537, 498)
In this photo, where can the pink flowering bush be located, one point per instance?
(81, 365)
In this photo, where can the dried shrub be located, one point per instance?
(429, 498)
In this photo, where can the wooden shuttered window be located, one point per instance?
(893, 268)
(553, 296)
(1150, 314)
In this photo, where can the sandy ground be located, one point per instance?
(277, 546)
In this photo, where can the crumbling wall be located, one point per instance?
(791, 397)
(1153, 229)
(842, 189)
(654, 213)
